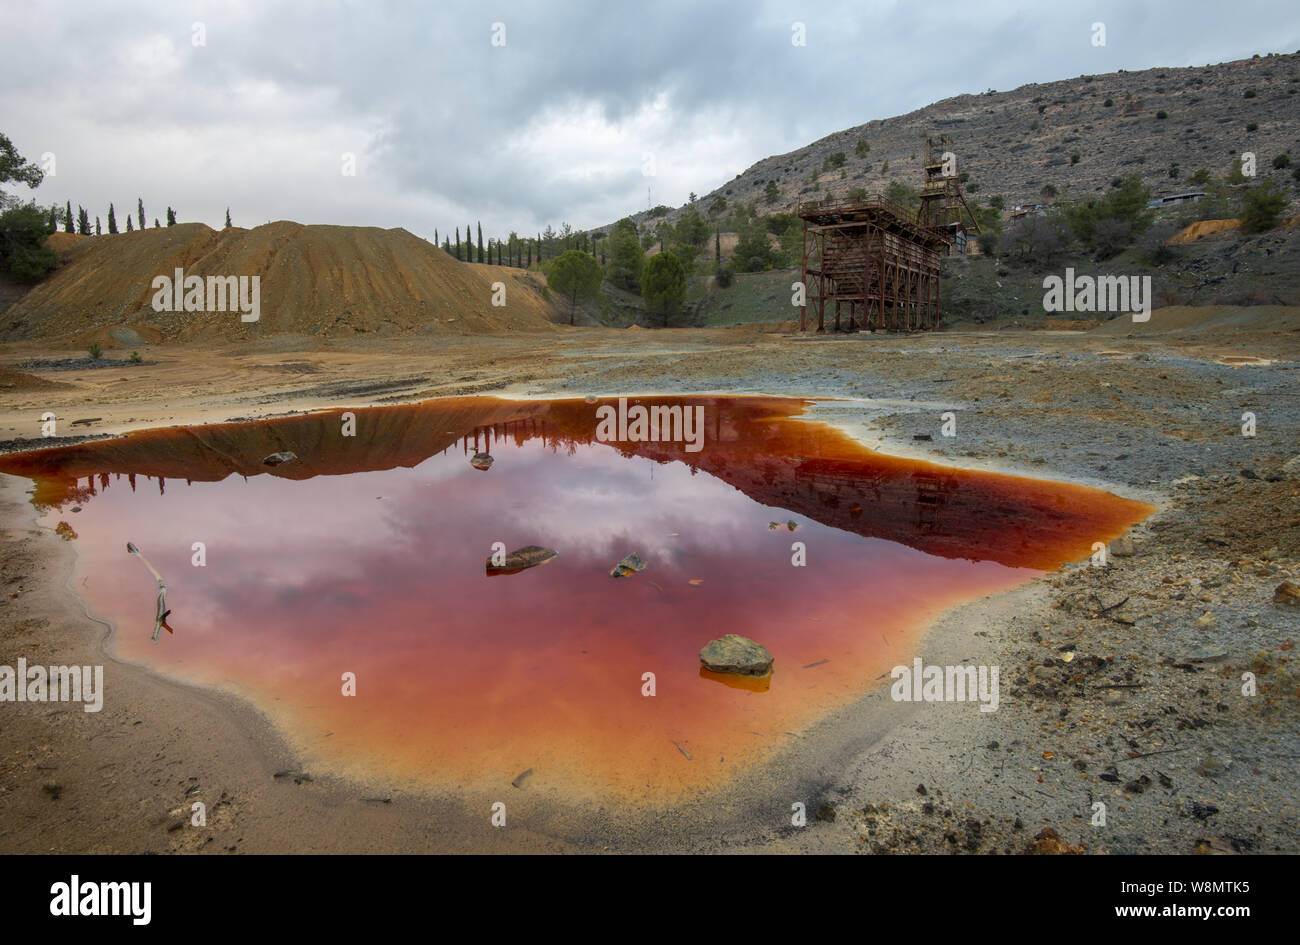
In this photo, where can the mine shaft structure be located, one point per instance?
(875, 264)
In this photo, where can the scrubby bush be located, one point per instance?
(724, 276)
(1260, 207)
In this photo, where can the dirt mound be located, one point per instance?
(1195, 231)
(314, 280)
(12, 381)
(1228, 322)
(60, 242)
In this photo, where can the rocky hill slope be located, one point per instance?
(1075, 135)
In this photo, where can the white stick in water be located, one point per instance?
(161, 616)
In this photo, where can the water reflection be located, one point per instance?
(366, 556)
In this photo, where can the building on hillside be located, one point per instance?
(1173, 200)
(879, 262)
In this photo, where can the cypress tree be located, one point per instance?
(457, 243)
(67, 219)
(130, 224)
(112, 220)
(156, 225)
(227, 218)
(139, 209)
(469, 246)
(480, 243)
(539, 249)
(83, 221)
(717, 246)
(98, 231)
(171, 217)
(530, 254)
(52, 225)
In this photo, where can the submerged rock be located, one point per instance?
(736, 654)
(481, 461)
(529, 556)
(1287, 594)
(629, 565)
(276, 459)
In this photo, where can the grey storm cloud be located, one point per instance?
(556, 125)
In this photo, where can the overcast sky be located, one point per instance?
(552, 126)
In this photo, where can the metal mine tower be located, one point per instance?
(877, 261)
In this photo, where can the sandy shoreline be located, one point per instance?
(127, 777)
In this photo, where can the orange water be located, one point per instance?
(367, 556)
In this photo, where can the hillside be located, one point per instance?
(315, 280)
(1014, 144)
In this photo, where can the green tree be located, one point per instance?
(112, 220)
(171, 217)
(664, 284)
(68, 225)
(83, 221)
(862, 149)
(1261, 205)
(139, 209)
(228, 220)
(575, 275)
(754, 250)
(17, 169)
(771, 192)
(903, 195)
(52, 224)
(22, 242)
(1109, 223)
(626, 258)
(480, 242)
(97, 230)
(130, 225)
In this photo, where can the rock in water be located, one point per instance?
(629, 565)
(527, 557)
(481, 461)
(1287, 594)
(735, 654)
(275, 459)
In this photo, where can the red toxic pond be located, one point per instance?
(368, 555)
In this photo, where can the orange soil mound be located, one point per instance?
(63, 241)
(315, 280)
(1195, 231)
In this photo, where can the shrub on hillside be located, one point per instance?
(1260, 207)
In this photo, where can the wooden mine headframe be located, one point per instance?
(877, 261)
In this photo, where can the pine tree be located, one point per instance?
(139, 209)
(227, 218)
(83, 221)
(480, 243)
(171, 217)
(130, 225)
(67, 219)
(112, 220)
